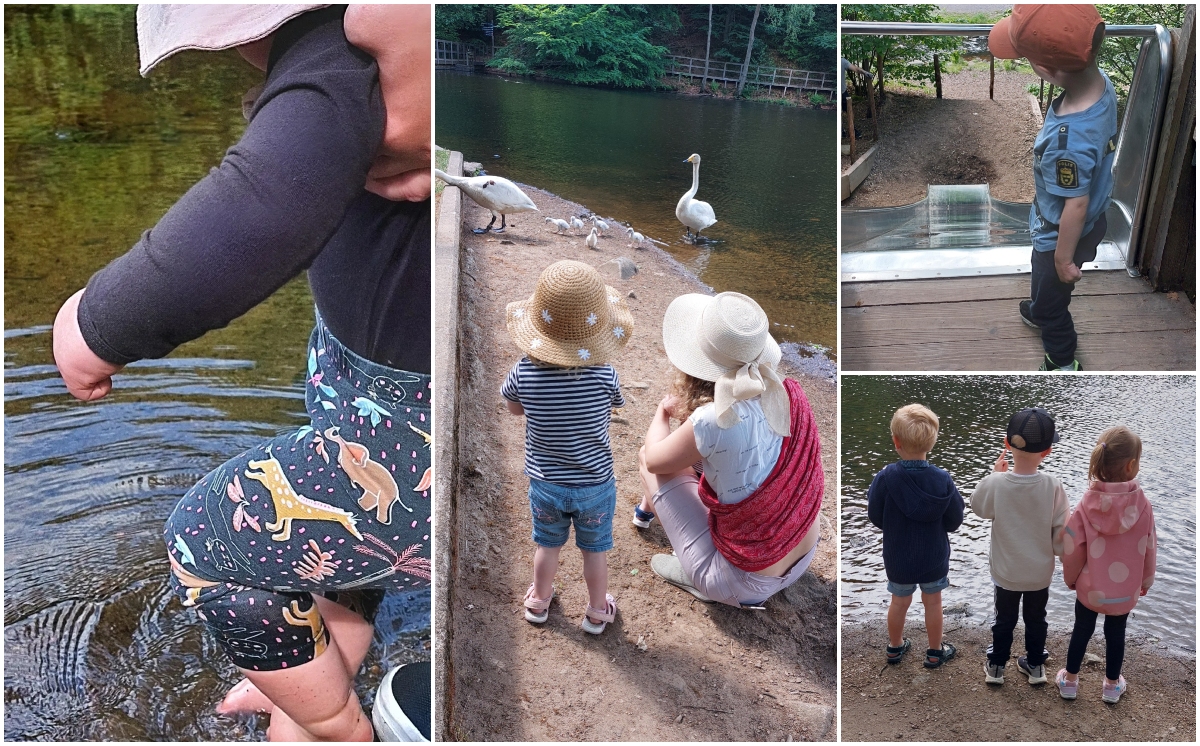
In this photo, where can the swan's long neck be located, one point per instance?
(457, 181)
(695, 179)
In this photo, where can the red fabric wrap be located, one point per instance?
(759, 531)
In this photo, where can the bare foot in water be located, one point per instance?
(245, 698)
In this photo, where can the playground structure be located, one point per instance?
(960, 231)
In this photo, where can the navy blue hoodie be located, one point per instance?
(915, 507)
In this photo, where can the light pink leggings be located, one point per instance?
(685, 520)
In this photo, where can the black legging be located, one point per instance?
(1114, 640)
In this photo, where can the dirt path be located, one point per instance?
(964, 138)
(908, 702)
(670, 668)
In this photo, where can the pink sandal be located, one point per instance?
(606, 616)
(537, 610)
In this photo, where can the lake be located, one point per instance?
(95, 646)
(973, 413)
(769, 171)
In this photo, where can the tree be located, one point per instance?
(749, 49)
(707, 47)
(1118, 56)
(907, 58)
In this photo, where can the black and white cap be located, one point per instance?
(1031, 430)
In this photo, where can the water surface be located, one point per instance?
(768, 171)
(95, 646)
(974, 412)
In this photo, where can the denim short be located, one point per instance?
(907, 589)
(555, 507)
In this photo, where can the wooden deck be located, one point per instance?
(972, 324)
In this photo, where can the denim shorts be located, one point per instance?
(555, 507)
(907, 589)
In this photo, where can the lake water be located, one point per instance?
(769, 172)
(95, 646)
(974, 412)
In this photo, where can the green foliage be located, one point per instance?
(460, 22)
(817, 99)
(715, 86)
(805, 35)
(1118, 55)
(585, 44)
(905, 58)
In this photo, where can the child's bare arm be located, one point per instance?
(1070, 230)
(514, 407)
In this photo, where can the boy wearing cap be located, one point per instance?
(916, 505)
(1028, 509)
(1072, 161)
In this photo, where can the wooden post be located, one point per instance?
(1041, 92)
(850, 126)
(992, 84)
(937, 75)
(874, 111)
(879, 70)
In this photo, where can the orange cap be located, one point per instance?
(1057, 36)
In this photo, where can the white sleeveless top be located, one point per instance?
(738, 460)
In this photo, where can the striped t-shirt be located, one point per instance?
(566, 420)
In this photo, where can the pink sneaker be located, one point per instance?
(1112, 692)
(1066, 689)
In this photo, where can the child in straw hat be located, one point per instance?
(569, 330)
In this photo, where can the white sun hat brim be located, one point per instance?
(164, 30)
(681, 340)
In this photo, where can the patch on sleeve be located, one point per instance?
(1068, 173)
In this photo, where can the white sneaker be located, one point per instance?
(411, 684)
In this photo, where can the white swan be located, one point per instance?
(693, 213)
(634, 236)
(497, 194)
(576, 224)
(600, 224)
(593, 241)
(559, 225)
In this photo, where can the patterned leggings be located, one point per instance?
(339, 507)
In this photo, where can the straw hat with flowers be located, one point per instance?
(573, 318)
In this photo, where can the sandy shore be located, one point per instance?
(882, 702)
(670, 668)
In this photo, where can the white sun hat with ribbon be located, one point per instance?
(725, 339)
(573, 318)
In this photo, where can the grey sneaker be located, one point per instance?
(403, 710)
(993, 673)
(1036, 674)
(668, 567)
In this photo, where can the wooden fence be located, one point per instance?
(728, 73)
(452, 54)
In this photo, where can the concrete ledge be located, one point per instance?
(446, 245)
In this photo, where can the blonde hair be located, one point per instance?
(693, 393)
(1115, 448)
(915, 427)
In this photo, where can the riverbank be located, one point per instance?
(882, 702)
(670, 668)
(962, 138)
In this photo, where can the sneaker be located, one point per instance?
(1112, 693)
(1049, 365)
(1036, 674)
(668, 567)
(993, 673)
(410, 684)
(1026, 315)
(642, 518)
(1066, 689)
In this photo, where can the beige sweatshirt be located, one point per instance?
(1028, 512)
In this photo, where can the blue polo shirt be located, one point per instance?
(1073, 156)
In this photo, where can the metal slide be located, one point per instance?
(961, 231)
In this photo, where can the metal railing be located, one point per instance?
(1133, 164)
(756, 75)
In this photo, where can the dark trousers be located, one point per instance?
(1051, 297)
(1008, 605)
(1114, 640)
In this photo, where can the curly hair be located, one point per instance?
(692, 392)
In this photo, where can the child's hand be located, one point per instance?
(1071, 587)
(87, 375)
(668, 404)
(1067, 272)
(1142, 592)
(1001, 464)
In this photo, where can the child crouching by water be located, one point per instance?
(569, 330)
(916, 505)
(1110, 548)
